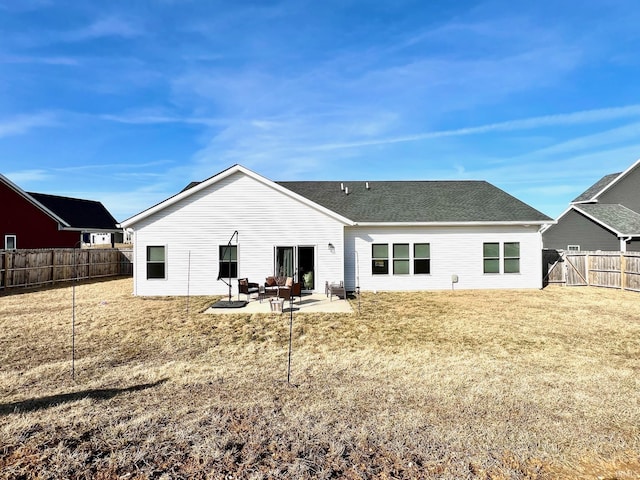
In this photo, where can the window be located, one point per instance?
(491, 254)
(421, 258)
(401, 259)
(380, 259)
(573, 248)
(156, 262)
(10, 242)
(228, 255)
(511, 257)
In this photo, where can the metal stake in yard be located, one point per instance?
(73, 311)
(290, 337)
(188, 282)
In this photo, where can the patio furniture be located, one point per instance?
(270, 287)
(276, 304)
(246, 287)
(290, 291)
(337, 289)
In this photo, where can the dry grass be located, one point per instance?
(508, 384)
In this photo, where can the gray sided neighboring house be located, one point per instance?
(605, 217)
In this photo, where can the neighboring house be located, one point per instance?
(413, 235)
(605, 217)
(36, 220)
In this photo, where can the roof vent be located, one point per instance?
(342, 187)
(346, 190)
(366, 185)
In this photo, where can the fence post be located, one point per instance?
(586, 270)
(53, 267)
(623, 268)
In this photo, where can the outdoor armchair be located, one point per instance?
(247, 287)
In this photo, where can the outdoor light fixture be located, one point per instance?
(331, 247)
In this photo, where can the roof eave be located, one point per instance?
(600, 222)
(91, 229)
(221, 176)
(615, 180)
(34, 202)
(453, 224)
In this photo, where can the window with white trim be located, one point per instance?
(491, 257)
(421, 258)
(156, 262)
(501, 260)
(10, 242)
(380, 259)
(401, 259)
(228, 255)
(511, 253)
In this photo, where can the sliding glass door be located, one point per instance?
(297, 262)
(285, 266)
(306, 267)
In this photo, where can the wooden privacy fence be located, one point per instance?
(31, 268)
(598, 269)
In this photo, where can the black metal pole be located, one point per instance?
(73, 312)
(290, 337)
(224, 254)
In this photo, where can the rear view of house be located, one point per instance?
(393, 236)
(35, 220)
(605, 217)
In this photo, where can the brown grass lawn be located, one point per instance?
(464, 384)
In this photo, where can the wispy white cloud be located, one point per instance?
(149, 119)
(25, 177)
(105, 27)
(595, 141)
(568, 119)
(52, 60)
(114, 168)
(22, 124)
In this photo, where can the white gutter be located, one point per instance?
(451, 224)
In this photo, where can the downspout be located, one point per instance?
(623, 243)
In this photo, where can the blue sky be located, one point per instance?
(127, 102)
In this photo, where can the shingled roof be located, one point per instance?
(615, 217)
(589, 194)
(417, 201)
(78, 213)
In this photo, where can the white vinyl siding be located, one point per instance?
(454, 251)
(195, 227)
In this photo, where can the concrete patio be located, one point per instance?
(308, 303)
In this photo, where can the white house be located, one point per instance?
(402, 235)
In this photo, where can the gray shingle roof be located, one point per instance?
(590, 192)
(616, 217)
(418, 201)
